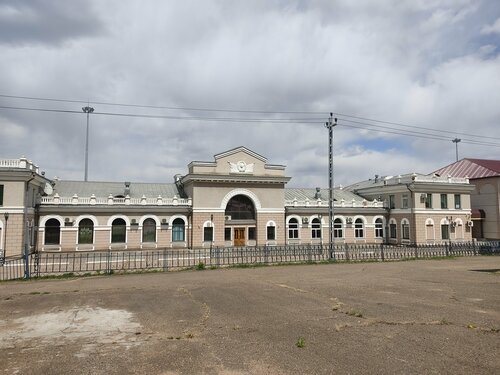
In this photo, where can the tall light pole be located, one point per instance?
(88, 110)
(329, 125)
(456, 140)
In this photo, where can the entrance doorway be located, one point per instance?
(239, 236)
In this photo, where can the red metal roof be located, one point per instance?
(472, 168)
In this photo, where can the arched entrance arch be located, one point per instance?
(240, 210)
(240, 207)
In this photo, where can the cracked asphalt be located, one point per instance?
(415, 317)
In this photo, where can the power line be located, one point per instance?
(173, 117)
(346, 117)
(160, 107)
(433, 137)
(360, 125)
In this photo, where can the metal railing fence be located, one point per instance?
(111, 261)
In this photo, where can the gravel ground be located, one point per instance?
(415, 317)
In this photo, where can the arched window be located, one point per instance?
(293, 228)
(429, 229)
(178, 230)
(359, 228)
(240, 207)
(52, 232)
(405, 229)
(379, 228)
(316, 228)
(393, 229)
(118, 231)
(149, 230)
(338, 232)
(459, 229)
(445, 229)
(86, 231)
(208, 231)
(271, 231)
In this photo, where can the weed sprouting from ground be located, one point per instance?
(301, 342)
(355, 313)
(200, 266)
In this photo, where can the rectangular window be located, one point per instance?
(445, 232)
(428, 200)
(444, 201)
(252, 233)
(227, 234)
(1, 195)
(208, 234)
(404, 201)
(458, 203)
(392, 202)
(392, 230)
(271, 233)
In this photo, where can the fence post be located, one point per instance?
(108, 262)
(382, 251)
(474, 246)
(346, 248)
(416, 250)
(165, 262)
(26, 263)
(446, 249)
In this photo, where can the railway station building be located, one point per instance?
(236, 199)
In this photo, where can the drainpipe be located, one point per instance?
(412, 196)
(25, 217)
(190, 228)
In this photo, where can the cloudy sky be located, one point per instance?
(176, 81)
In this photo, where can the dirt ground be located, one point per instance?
(415, 317)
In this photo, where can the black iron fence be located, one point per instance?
(106, 262)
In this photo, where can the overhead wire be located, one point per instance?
(373, 123)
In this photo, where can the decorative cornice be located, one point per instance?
(239, 178)
(240, 149)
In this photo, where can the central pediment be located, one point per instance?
(237, 162)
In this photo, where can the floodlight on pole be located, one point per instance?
(88, 110)
(456, 140)
(330, 125)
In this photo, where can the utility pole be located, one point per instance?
(329, 125)
(456, 140)
(88, 110)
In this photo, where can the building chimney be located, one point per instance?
(127, 188)
(317, 195)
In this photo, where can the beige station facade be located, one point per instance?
(237, 199)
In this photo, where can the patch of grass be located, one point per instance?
(496, 330)
(471, 326)
(301, 342)
(189, 335)
(444, 322)
(247, 265)
(35, 293)
(355, 313)
(200, 266)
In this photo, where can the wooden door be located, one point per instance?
(239, 236)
